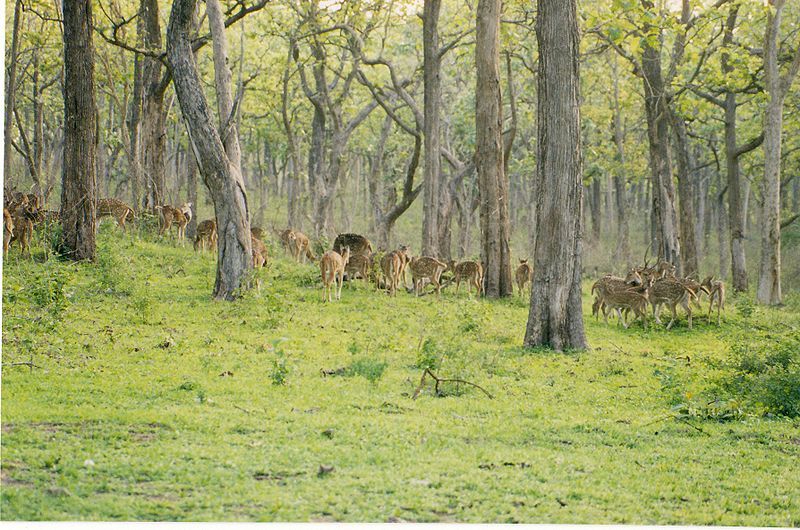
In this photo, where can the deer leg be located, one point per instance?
(674, 315)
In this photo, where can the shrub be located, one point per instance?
(764, 375)
(369, 369)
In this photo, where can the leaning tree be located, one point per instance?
(555, 318)
(220, 174)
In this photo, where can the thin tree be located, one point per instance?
(11, 89)
(431, 74)
(221, 176)
(777, 87)
(492, 183)
(555, 318)
(78, 179)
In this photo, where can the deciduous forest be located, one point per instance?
(402, 260)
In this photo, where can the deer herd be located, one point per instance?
(353, 257)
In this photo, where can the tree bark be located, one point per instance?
(11, 91)
(556, 317)
(222, 178)
(432, 102)
(665, 222)
(154, 119)
(777, 86)
(492, 182)
(78, 177)
(293, 175)
(623, 250)
(222, 81)
(686, 202)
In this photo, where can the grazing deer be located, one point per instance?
(631, 298)
(180, 217)
(286, 237)
(716, 293)
(426, 267)
(471, 271)
(301, 248)
(206, 236)
(392, 265)
(115, 208)
(331, 267)
(672, 292)
(609, 283)
(523, 275)
(359, 245)
(358, 265)
(8, 230)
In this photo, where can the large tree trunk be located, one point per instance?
(293, 174)
(221, 176)
(777, 86)
(556, 316)
(154, 119)
(492, 182)
(135, 133)
(432, 96)
(685, 203)
(11, 91)
(78, 178)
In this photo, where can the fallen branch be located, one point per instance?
(242, 409)
(439, 380)
(24, 363)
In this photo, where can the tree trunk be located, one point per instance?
(777, 86)
(293, 175)
(11, 91)
(222, 81)
(432, 97)
(595, 203)
(556, 316)
(221, 176)
(724, 250)
(623, 250)
(78, 178)
(685, 203)
(154, 119)
(135, 133)
(665, 222)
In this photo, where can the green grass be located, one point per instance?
(150, 401)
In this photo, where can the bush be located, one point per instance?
(369, 369)
(764, 376)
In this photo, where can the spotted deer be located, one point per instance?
(358, 244)
(301, 247)
(391, 266)
(716, 293)
(8, 230)
(429, 268)
(115, 208)
(331, 267)
(180, 217)
(206, 236)
(609, 283)
(259, 252)
(523, 275)
(258, 233)
(23, 216)
(634, 297)
(670, 292)
(469, 271)
(358, 265)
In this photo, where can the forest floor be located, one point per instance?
(149, 401)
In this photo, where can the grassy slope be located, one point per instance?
(130, 379)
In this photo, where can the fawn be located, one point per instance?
(391, 265)
(115, 208)
(471, 271)
(716, 293)
(259, 252)
(524, 275)
(301, 247)
(427, 267)
(206, 236)
(331, 267)
(179, 216)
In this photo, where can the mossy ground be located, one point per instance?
(150, 401)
